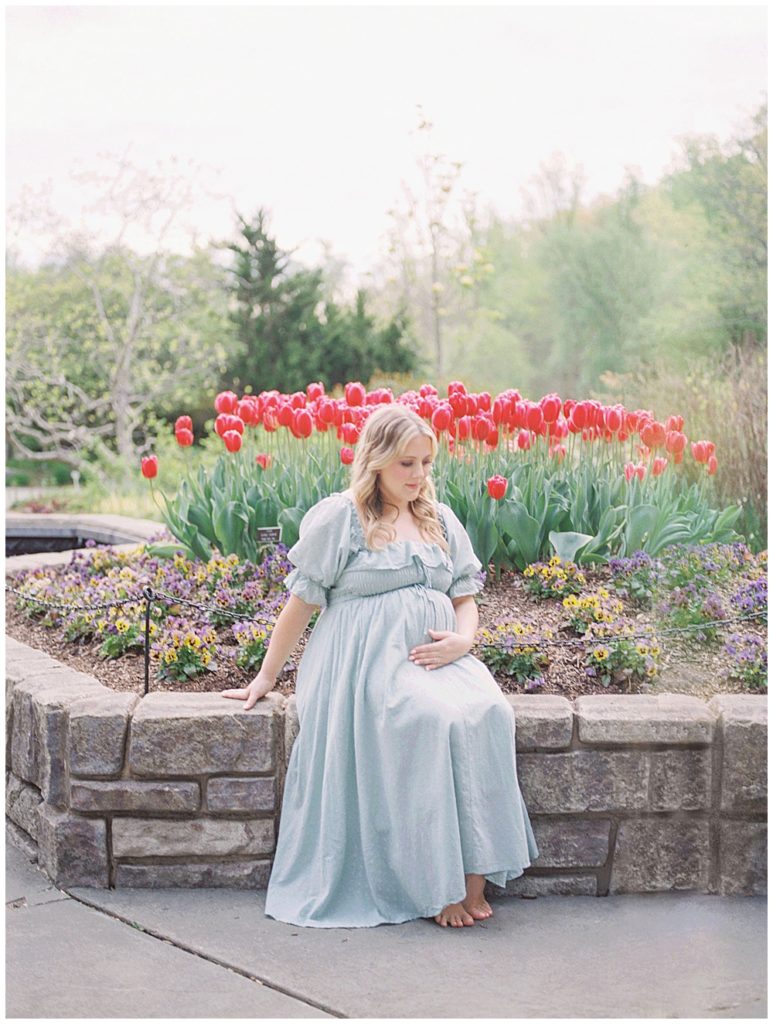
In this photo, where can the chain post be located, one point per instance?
(147, 593)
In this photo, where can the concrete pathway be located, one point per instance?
(213, 953)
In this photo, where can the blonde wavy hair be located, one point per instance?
(384, 438)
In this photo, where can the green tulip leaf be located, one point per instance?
(566, 545)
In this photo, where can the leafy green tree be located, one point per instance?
(99, 342)
(728, 183)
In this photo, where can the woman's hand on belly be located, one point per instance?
(447, 646)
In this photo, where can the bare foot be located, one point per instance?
(477, 908)
(455, 915)
(474, 903)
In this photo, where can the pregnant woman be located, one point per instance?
(401, 796)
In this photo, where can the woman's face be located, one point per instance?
(401, 480)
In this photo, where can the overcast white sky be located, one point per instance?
(308, 110)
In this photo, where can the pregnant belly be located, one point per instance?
(410, 612)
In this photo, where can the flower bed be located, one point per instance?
(553, 628)
(527, 479)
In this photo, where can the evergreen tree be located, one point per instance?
(288, 335)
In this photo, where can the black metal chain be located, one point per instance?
(74, 607)
(213, 609)
(526, 642)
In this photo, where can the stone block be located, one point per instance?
(542, 721)
(743, 853)
(659, 855)
(291, 726)
(584, 780)
(129, 795)
(564, 843)
(643, 718)
(231, 874)
(22, 805)
(228, 794)
(19, 838)
(743, 721)
(40, 727)
(680, 780)
(73, 850)
(22, 661)
(201, 733)
(98, 727)
(202, 837)
(548, 885)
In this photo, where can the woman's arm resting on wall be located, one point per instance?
(289, 627)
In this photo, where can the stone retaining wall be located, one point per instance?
(625, 793)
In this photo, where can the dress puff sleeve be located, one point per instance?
(466, 570)
(322, 550)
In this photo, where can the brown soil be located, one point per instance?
(687, 666)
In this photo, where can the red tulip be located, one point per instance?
(499, 410)
(535, 419)
(247, 411)
(675, 423)
(184, 437)
(149, 466)
(484, 402)
(284, 414)
(653, 434)
(441, 418)
(700, 451)
(263, 460)
(577, 418)
(658, 465)
(497, 486)
(327, 410)
(226, 401)
(350, 433)
(315, 390)
(455, 387)
(492, 440)
(355, 393)
(233, 440)
(675, 441)
(426, 390)
(613, 418)
(524, 440)
(269, 421)
(347, 456)
(551, 407)
(632, 470)
(183, 421)
(458, 402)
(480, 428)
(711, 465)
(303, 423)
(463, 428)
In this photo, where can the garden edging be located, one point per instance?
(626, 793)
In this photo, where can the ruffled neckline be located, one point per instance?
(394, 549)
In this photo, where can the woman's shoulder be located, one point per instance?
(333, 508)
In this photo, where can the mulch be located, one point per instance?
(688, 666)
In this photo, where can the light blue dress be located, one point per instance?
(400, 780)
